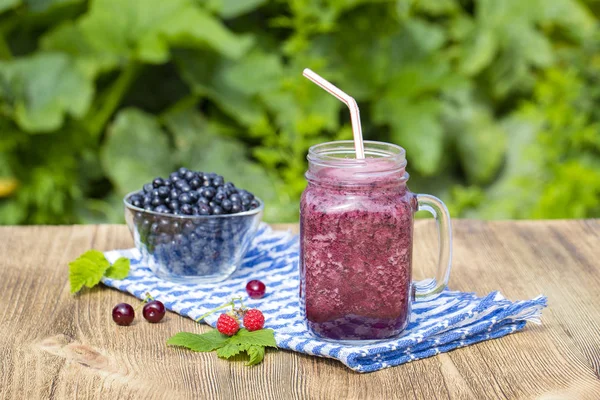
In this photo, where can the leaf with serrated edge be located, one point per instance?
(208, 341)
(262, 337)
(256, 353)
(119, 269)
(232, 349)
(87, 270)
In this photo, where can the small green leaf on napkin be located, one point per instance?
(119, 270)
(253, 343)
(91, 266)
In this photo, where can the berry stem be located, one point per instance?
(146, 300)
(214, 310)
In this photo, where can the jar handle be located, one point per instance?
(434, 286)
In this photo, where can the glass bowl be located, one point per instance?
(192, 248)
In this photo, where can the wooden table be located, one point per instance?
(55, 345)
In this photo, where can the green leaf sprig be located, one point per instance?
(91, 266)
(252, 343)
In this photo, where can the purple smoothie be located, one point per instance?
(356, 251)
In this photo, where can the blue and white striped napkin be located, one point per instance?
(452, 320)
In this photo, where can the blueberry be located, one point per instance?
(203, 200)
(236, 208)
(246, 199)
(195, 210)
(254, 204)
(174, 177)
(203, 209)
(216, 210)
(137, 203)
(190, 175)
(162, 209)
(235, 198)
(213, 203)
(229, 186)
(186, 188)
(212, 175)
(147, 200)
(194, 195)
(195, 183)
(220, 196)
(174, 205)
(207, 182)
(158, 182)
(182, 171)
(218, 181)
(148, 188)
(156, 201)
(185, 198)
(135, 197)
(180, 183)
(226, 205)
(189, 225)
(168, 183)
(155, 228)
(186, 209)
(163, 191)
(208, 192)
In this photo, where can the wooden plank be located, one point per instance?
(54, 345)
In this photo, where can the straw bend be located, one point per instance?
(349, 101)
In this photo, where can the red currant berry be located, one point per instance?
(256, 289)
(123, 314)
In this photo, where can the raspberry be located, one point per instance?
(227, 325)
(254, 320)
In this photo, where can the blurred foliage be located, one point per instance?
(495, 101)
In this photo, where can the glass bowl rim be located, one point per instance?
(253, 212)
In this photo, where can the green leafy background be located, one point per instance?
(495, 101)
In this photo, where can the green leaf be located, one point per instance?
(208, 341)
(416, 127)
(262, 337)
(204, 73)
(233, 8)
(256, 353)
(8, 4)
(479, 52)
(231, 349)
(142, 30)
(135, 151)
(87, 270)
(257, 72)
(119, 269)
(42, 89)
(481, 147)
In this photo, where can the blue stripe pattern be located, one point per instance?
(451, 320)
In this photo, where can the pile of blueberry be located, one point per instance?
(188, 192)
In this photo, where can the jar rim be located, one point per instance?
(384, 162)
(341, 153)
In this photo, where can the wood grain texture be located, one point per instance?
(55, 345)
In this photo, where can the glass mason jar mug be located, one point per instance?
(356, 240)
